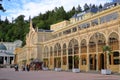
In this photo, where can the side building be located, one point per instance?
(77, 43)
(7, 52)
(32, 51)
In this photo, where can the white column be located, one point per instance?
(8, 60)
(4, 62)
(12, 62)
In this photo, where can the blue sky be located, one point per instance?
(34, 7)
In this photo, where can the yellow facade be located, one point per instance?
(86, 43)
(77, 38)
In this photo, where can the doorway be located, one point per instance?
(1, 60)
(102, 60)
(70, 61)
(92, 60)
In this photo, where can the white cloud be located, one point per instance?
(33, 8)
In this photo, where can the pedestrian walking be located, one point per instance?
(16, 67)
(28, 67)
(23, 67)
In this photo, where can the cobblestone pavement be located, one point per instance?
(10, 74)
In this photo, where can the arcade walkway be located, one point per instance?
(10, 74)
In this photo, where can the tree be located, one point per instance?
(1, 6)
(107, 50)
(86, 7)
(100, 6)
(71, 13)
(79, 9)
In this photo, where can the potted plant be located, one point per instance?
(76, 64)
(107, 50)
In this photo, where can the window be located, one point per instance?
(94, 22)
(79, 27)
(64, 49)
(109, 17)
(55, 36)
(102, 20)
(84, 61)
(70, 51)
(85, 25)
(74, 29)
(51, 50)
(116, 54)
(67, 31)
(64, 60)
(60, 34)
(116, 61)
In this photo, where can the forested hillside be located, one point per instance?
(18, 28)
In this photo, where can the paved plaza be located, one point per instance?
(10, 74)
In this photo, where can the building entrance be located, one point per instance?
(92, 60)
(70, 61)
(1, 60)
(102, 60)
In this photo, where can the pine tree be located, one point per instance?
(86, 7)
(79, 9)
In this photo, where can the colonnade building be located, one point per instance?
(80, 39)
(7, 52)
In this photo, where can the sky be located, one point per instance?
(32, 8)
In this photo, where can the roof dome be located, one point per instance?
(2, 46)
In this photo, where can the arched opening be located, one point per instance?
(96, 43)
(73, 50)
(57, 55)
(64, 54)
(102, 61)
(83, 46)
(114, 41)
(64, 49)
(1, 60)
(83, 56)
(51, 55)
(70, 61)
(92, 61)
(46, 55)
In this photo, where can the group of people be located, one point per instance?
(26, 67)
(29, 67)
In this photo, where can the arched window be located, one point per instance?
(96, 39)
(46, 51)
(57, 50)
(51, 51)
(83, 46)
(73, 47)
(64, 49)
(113, 41)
